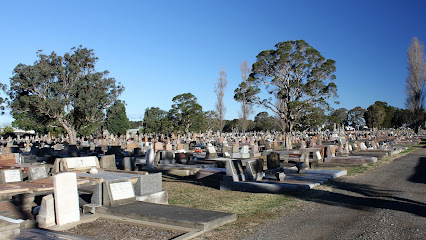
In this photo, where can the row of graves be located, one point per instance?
(55, 183)
(55, 186)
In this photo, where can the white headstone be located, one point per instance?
(67, 209)
(150, 157)
(46, 215)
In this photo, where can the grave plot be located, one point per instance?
(275, 179)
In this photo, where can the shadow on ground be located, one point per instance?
(363, 197)
(419, 175)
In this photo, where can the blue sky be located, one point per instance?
(159, 49)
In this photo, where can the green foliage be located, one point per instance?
(186, 114)
(44, 126)
(8, 129)
(65, 88)
(231, 125)
(3, 101)
(341, 116)
(135, 124)
(356, 117)
(117, 122)
(156, 121)
(312, 118)
(295, 76)
(264, 122)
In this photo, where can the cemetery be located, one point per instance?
(58, 186)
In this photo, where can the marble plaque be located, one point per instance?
(12, 175)
(122, 190)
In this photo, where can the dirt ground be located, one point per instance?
(108, 229)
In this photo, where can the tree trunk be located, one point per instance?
(72, 133)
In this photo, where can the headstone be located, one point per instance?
(169, 147)
(108, 162)
(180, 146)
(234, 168)
(46, 214)
(37, 172)
(273, 160)
(244, 153)
(7, 159)
(149, 184)
(254, 151)
(254, 169)
(10, 175)
(79, 163)
(117, 193)
(158, 146)
(67, 208)
(150, 157)
(211, 152)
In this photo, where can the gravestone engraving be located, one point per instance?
(117, 193)
(121, 190)
(11, 175)
(37, 172)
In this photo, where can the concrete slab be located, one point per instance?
(39, 234)
(171, 215)
(109, 176)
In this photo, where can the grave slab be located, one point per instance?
(172, 215)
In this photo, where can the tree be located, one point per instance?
(401, 118)
(231, 125)
(356, 117)
(211, 120)
(416, 81)
(375, 115)
(219, 89)
(295, 76)
(135, 124)
(65, 88)
(341, 115)
(246, 105)
(3, 101)
(116, 121)
(264, 122)
(186, 114)
(313, 118)
(156, 121)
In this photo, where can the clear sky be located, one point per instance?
(159, 49)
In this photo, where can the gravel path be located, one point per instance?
(386, 203)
